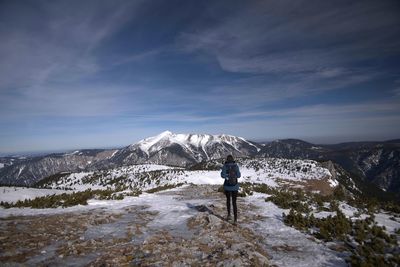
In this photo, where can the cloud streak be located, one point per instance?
(306, 37)
(57, 43)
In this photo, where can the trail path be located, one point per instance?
(179, 227)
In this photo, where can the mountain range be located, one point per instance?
(375, 163)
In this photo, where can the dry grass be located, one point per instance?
(321, 185)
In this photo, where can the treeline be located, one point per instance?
(67, 200)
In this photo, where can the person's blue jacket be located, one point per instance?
(224, 174)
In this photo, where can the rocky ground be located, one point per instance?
(181, 227)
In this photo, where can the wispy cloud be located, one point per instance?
(62, 101)
(286, 50)
(247, 93)
(298, 37)
(58, 41)
(316, 113)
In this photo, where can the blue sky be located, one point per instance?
(85, 74)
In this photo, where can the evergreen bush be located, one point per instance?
(68, 200)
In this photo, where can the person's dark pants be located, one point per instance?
(228, 195)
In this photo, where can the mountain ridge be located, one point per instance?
(373, 162)
(183, 149)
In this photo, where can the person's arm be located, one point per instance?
(223, 172)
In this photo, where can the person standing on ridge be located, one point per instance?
(230, 172)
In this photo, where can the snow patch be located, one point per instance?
(13, 194)
(316, 147)
(385, 219)
(333, 182)
(275, 233)
(112, 155)
(20, 171)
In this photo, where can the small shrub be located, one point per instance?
(297, 220)
(289, 200)
(333, 227)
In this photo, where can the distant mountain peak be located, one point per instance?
(187, 141)
(166, 133)
(181, 149)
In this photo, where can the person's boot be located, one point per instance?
(228, 217)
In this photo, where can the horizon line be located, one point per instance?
(45, 152)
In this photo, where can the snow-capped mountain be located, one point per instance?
(166, 148)
(184, 149)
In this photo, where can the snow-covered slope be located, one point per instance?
(13, 194)
(272, 171)
(141, 177)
